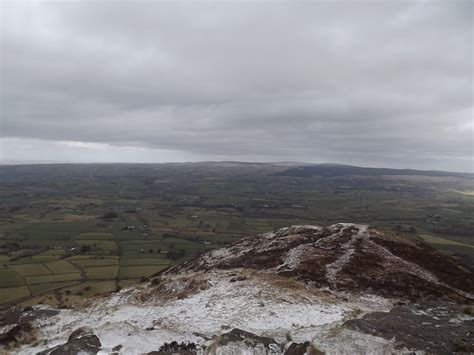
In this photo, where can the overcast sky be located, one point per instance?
(367, 83)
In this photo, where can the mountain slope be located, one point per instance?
(346, 257)
(346, 170)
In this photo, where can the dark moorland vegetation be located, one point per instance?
(69, 231)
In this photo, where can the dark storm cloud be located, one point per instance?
(374, 83)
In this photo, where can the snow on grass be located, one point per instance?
(402, 265)
(252, 305)
(333, 269)
(293, 258)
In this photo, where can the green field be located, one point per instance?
(443, 241)
(95, 236)
(32, 280)
(104, 245)
(12, 293)
(102, 272)
(132, 272)
(31, 269)
(91, 288)
(10, 277)
(95, 262)
(144, 261)
(44, 287)
(61, 267)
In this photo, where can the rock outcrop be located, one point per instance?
(17, 325)
(81, 342)
(432, 327)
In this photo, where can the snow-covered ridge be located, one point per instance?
(345, 257)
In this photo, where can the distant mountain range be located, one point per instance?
(331, 170)
(295, 169)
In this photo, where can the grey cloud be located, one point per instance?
(355, 82)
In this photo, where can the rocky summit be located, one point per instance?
(342, 289)
(346, 257)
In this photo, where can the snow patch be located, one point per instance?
(292, 258)
(333, 269)
(252, 305)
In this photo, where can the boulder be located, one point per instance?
(176, 348)
(81, 342)
(17, 326)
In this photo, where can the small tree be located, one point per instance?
(110, 215)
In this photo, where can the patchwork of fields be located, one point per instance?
(53, 258)
(66, 265)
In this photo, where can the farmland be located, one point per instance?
(68, 232)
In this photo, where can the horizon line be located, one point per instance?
(281, 162)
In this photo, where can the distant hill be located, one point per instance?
(345, 170)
